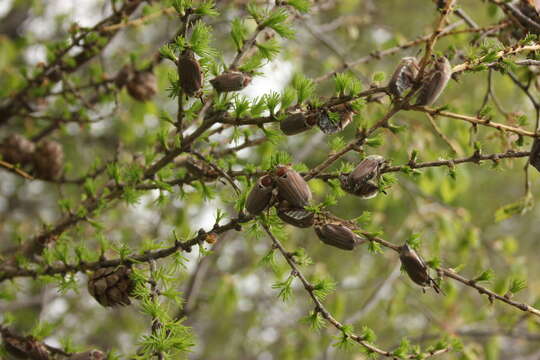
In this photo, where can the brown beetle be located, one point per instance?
(416, 268)
(434, 82)
(534, 157)
(292, 187)
(191, 75)
(403, 77)
(298, 217)
(230, 81)
(362, 181)
(260, 195)
(337, 234)
(297, 123)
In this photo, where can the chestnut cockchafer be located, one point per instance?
(416, 268)
(363, 180)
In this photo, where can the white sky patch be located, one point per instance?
(99, 128)
(55, 309)
(151, 121)
(244, 304)
(204, 216)
(265, 356)
(5, 6)
(276, 75)
(142, 212)
(248, 285)
(73, 129)
(269, 335)
(82, 12)
(34, 54)
(381, 35)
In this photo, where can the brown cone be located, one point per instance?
(123, 76)
(111, 286)
(16, 149)
(142, 86)
(25, 348)
(49, 160)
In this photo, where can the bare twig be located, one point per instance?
(320, 308)
(14, 169)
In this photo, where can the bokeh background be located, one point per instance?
(236, 313)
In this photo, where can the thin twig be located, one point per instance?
(320, 308)
(14, 169)
(441, 134)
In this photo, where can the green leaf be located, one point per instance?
(272, 100)
(403, 349)
(201, 37)
(239, 32)
(368, 335)
(519, 207)
(485, 276)
(516, 285)
(285, 288)
(304, 88)
(379, 76)
(374, 141)
(301, 5)
(207, 8)
(323, 287)
(315, 320)
(344, 341)
(269, 49)
(287, 98)
(414, 241)
(374, 247)
(256, 12)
